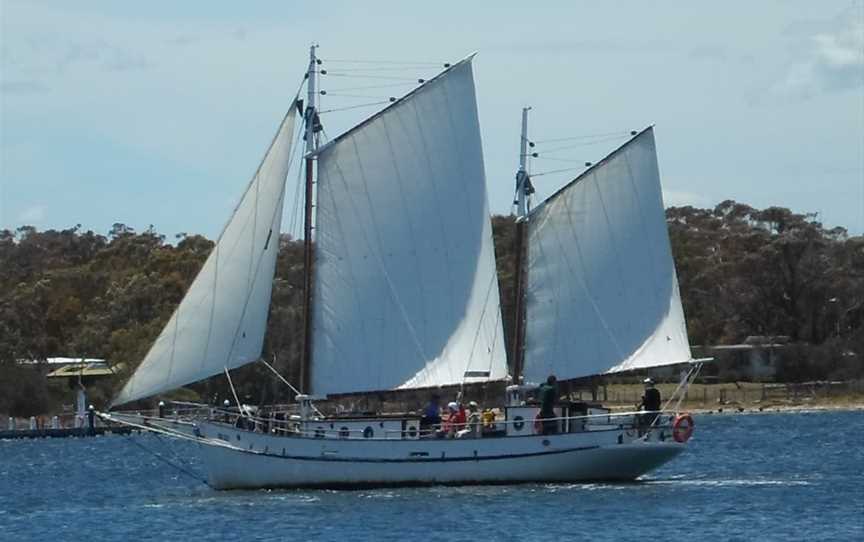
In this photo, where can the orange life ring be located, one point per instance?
(682, 427)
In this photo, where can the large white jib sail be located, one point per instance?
(221, 321)
(406, 291)
(602, 292)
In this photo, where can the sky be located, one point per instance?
(159, 112)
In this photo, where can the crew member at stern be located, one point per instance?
(548, 394)
(650, 403)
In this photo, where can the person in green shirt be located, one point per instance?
(548, 394)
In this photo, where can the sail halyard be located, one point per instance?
(603, 293)
(404, 254)
(209, 332)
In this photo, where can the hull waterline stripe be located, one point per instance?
(412, 460)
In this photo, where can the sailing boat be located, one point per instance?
(405, 296)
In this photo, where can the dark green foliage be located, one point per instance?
(742, 272)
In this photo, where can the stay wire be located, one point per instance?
(385, 77)
(407, 67)
(555, 171)
(353, 107)
(364, 96)
(402, 62)
(197, 477)
(575, 145)
(369, 87)
(586, 136)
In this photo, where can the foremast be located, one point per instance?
(313, 126)
(524, 189)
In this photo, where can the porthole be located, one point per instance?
(368, 432)
(518, 423)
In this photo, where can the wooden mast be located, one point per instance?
(311, 119)
(522, 192)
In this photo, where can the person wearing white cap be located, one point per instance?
(455, 420)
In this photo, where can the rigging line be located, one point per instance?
(285, 381)
(282, 378)
(350, 61)
(684, 383)
(406, 67)
(367, 87)
(587, 136)
(294, 146)
(498, 327)
(555, 171)
(356, 96)
(541, 157)
(168, 462)
(577, 145)
(240, 408)
(479, 329)
(352, 107)
(295, 212)
(690, 380)
(385, 77)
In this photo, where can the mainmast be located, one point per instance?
(523, 192)
(313, 126)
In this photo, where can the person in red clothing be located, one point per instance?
(455, 420)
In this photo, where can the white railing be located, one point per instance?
(291, 426)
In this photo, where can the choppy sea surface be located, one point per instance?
(797, 476)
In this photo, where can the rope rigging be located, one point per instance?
(584, 140)
(180, 468)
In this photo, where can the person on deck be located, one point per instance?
(548, 394)
(431, 414)
(472, 427)
(455, 420)
(651, 404)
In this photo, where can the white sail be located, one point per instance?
(602, 290)
(406, 293)
(221, 321)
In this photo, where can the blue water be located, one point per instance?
(744, 477)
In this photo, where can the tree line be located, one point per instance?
(742, 272)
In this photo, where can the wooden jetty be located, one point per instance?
(65, 432)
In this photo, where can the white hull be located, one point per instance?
(256, 460)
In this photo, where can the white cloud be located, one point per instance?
(833, 59)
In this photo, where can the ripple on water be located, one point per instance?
(800, 477)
